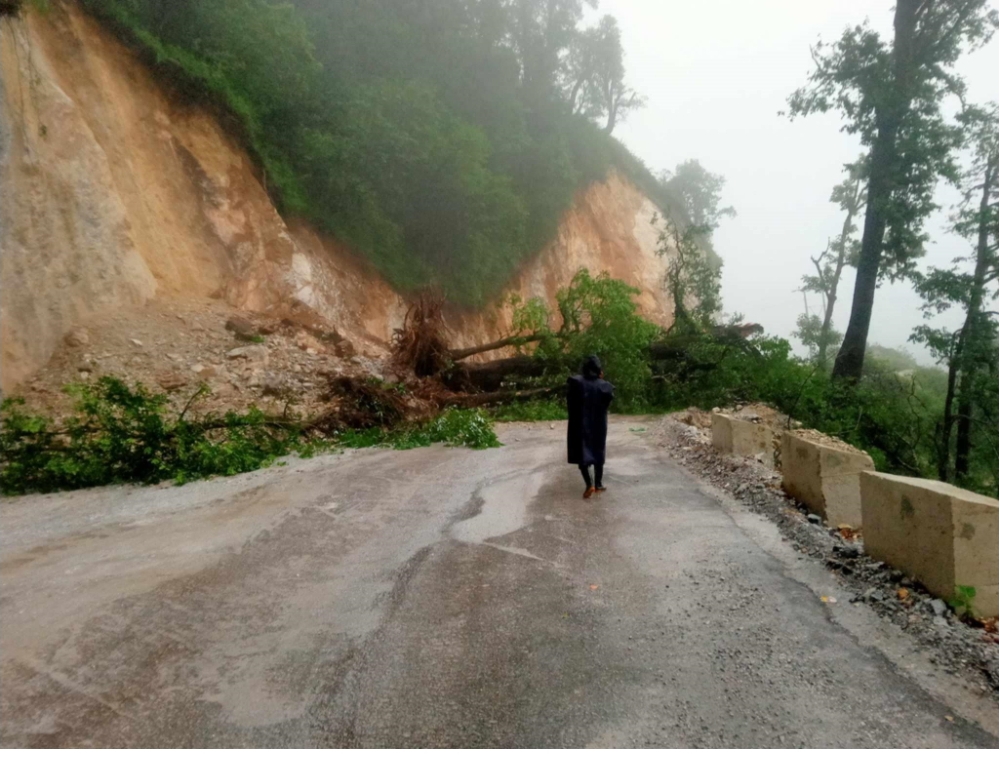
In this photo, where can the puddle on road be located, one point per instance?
(504, 510)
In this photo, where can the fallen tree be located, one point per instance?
(513, 341)
(490, 376)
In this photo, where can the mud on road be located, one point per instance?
(451, 598)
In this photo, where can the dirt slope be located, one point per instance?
(116, 193)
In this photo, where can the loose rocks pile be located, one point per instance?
(277, 363)
(962, 648)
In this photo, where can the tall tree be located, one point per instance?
(541, 32)
(841, 251)
(981, 223)
(694, 269)
(612, 96)
(580, 65)
(596, 75)
(970, 351)
(891, 97)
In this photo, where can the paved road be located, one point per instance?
(444, 597)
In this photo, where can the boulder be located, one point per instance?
(203, 371)
(171, 380)
(250, 353)
(241, 327)
(274, 384)
(942, 536)
(306, 342)
(823, 473)
(344, 349)
(77, 338)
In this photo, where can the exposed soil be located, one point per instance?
(276, 363)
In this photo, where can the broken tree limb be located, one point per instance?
(464, 352)
(501, 396)
(489, 376)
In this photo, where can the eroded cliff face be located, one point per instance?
(115, 192)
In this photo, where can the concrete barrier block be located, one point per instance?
(942, 536)
(823, 472)
(739, 437)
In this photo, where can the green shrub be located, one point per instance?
(458, 428)
(532, 410)
(890, 414)
(121, 434)
(599, 317)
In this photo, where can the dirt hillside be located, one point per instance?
(117, 194)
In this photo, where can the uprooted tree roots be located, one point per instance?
(419, 345)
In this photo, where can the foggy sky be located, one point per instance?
(716, 73)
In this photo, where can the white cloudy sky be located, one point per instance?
(716, 73)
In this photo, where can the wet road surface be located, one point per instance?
(445, 598)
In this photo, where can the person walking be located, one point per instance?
(588, 396)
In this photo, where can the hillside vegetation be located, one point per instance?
(442, 139)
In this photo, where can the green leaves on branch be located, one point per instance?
(817, 333)
(598, 315)
(121, 434)
(969, 353)
(891, 96)
(694, 269)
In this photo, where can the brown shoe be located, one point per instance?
(588, 493)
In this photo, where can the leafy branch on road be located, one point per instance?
(124, 434)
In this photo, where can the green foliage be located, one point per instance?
(121, 434)
(696, 195)
(459, 428)
(818, 334)
(694, 269)
(891, 96)
(970, 353)
(891, 413)
(532, 410)
(893, 358)
(693, 277)
(599, 318)
(433, 137)
(595, 76)
(961, 603)
(900, 90)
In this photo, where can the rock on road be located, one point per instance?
(444, 597)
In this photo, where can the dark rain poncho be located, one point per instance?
(587, 401)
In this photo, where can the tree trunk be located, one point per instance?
(502, 396)
(850, 359)
(574, 94)
(967, 359)
(612, 117)
(489, 377)
(464, 352)
(944, 444)
(831, 294)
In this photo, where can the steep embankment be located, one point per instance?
(116, 191)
